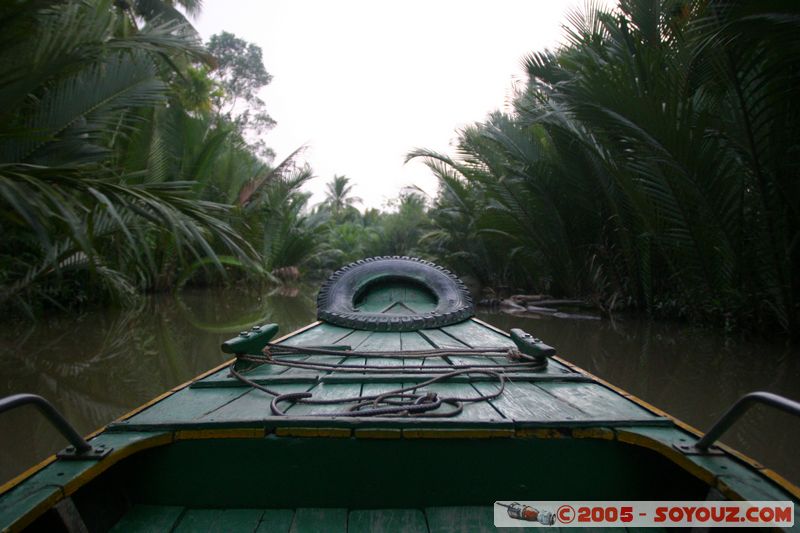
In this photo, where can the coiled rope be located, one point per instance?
(399, 402)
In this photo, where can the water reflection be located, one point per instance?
(691, 373)
(96, 366)
(100, 365)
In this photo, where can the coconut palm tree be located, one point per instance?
(338, 197)
(75, 91)
(648, 160)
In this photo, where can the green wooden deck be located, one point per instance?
(212, 457)
(314, 520)
(556, 397)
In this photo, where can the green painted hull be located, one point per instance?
(210, 455)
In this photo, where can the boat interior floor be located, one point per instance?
(331, 520)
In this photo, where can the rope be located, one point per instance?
(399, 402)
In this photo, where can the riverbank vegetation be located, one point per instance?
(115, 167)
(649, 163)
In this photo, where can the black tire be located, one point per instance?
(336, 298)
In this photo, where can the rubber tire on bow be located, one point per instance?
(337, 297)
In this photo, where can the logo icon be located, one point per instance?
(527, 513)
(565, 514)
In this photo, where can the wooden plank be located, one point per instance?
(479, 336)
(462, 520)
(188, 404)
(356, 338)
(219, 520)
(417, 378)
(387, 521)
(326, 391)
(382, 341)
(29, 497)
(472, 410)
(254, 405)
(276, 521)
(351, 338)
(482, 410)
(309, 379)
(440, 339)
(320, 335)
(330, 391)
(526, 402)
(596, 400)
(148, 518)
(315, 520)
(412, 340)
(268, 370)
(323, 334)
(370, 389)
(356, 341)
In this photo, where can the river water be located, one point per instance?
(99, 365)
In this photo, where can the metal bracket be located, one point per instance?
(94, 454)
(79, 449)
(691, 449)
(740, 407)
(705, 446)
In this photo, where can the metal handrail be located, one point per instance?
(52, 415)
(739, 408)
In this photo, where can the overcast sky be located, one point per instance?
(363, 82)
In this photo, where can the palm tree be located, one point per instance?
(338, 196)
(649, 159)
(290, 237)
(151, 10)
(74, 92)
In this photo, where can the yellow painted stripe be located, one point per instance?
(541, 433)
(783, 482)
(476, 433)
(378, 433)
(312, 432)
(669, 452)
(593, 433)
(113, 458)
(228, 433)
(87, 475)
(13, 482)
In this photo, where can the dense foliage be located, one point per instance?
(650, 162)
(132, 159)
(123, 165)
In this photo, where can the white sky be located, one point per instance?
(364, 82)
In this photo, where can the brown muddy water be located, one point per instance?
(99, 365)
